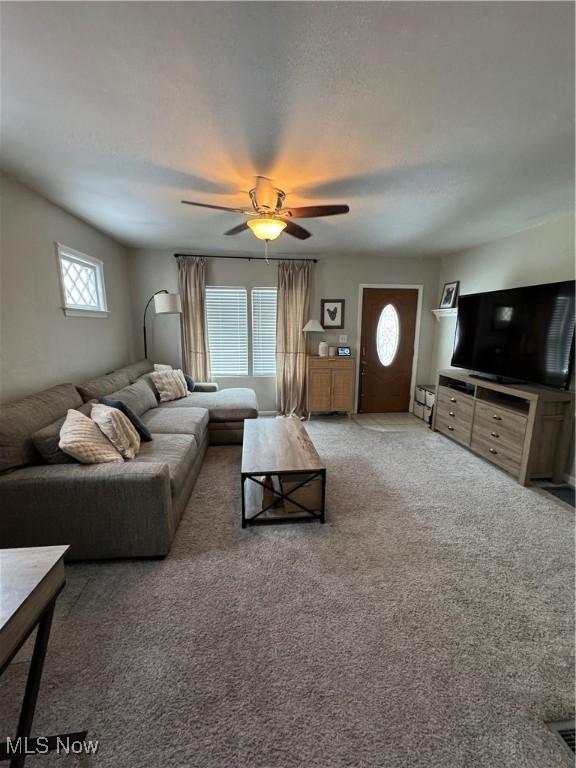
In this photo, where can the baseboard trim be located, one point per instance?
(570, 479)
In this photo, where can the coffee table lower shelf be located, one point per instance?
(253, 513)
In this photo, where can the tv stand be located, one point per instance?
(495, 379)
(523, 429)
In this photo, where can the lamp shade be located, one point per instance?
(313, 326)
(266, 228)
(167, 304)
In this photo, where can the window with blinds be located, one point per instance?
(264, 331)
(227, 321)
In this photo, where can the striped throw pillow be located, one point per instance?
(81, 438)
(117, 428)
(171, 385)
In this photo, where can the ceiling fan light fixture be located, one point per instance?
(266, 228)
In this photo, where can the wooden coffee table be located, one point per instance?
(279, 447)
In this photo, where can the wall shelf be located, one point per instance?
(440, 313)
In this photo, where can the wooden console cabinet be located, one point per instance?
(330, 384)
(523, 429)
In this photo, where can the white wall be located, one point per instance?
(543, 254)
(40, 346)
(334, 277)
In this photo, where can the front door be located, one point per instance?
(387, 349)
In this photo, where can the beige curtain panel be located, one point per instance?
(192, 287)
(292, 314)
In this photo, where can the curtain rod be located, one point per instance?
(245, 258)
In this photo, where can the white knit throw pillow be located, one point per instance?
(81, 439)
(171, 385)
(118, 429)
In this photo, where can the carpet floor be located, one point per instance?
(390, 422)
(428, 623)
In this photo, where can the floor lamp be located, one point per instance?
(165, 303)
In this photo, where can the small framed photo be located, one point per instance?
(449, 295)
(332, 313)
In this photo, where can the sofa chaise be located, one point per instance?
(110, 510)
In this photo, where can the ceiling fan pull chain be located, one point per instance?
(266, 251)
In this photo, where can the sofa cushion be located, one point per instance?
(177, 421)
(205, 386)
(135, 370)
(81, 438)
(170, 385)
(19, 421)
(177, 451)
(104, 385)
(136, 421)
(225, 405)
(139, 396)
(118, 429)
(47, 440)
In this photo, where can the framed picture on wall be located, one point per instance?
(332, 313)
(449, 295)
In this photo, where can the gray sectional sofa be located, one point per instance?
(110, 510)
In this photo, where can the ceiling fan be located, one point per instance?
(270, 217)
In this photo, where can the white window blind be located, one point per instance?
(264, 331)
(227, 321)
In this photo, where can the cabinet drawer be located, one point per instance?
(499, 436)
(459, 411)
(453, 427)
(497, 453)
(332, 363)
(453, 397)
(510, 426)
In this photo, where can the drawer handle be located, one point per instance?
(452, 399)
(450, 428)
(494, 434)
(492, 450)
(497, 418)
(451, 413)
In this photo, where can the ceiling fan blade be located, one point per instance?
(215, 207)
(296, 230)
(237, 230)
(312, 211)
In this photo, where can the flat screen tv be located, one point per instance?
(521, 334)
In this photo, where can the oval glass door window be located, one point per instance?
(388, 335)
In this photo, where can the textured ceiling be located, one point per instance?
(442, 125)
